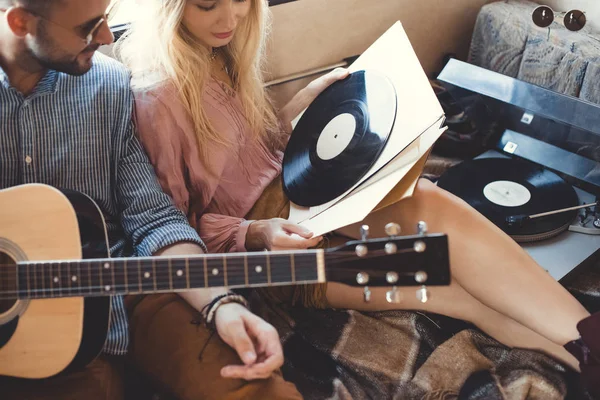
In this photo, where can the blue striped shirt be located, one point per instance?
(77, 133)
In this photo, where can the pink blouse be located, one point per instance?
(215, 202)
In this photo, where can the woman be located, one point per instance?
(216, 143)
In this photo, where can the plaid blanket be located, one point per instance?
(334, 354)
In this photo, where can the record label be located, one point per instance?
(336, 136)
(507, 193)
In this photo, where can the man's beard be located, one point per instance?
(49, 55)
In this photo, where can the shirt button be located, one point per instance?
(28, 159)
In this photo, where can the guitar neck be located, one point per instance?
(116, 276)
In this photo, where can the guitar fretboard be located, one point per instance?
(151, 275)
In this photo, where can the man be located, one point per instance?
(65, 120)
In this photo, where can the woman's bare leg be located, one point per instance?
(488, 264)
(452, 301)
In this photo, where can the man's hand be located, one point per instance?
(256, 342)
(304, 97)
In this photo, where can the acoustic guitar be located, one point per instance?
(56, 276)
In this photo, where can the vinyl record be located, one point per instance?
(338, 138)
(501, 188)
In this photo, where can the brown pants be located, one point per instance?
(166, 347)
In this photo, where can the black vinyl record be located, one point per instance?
(501, 189)
(338, 138)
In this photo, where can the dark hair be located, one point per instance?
(39, 6)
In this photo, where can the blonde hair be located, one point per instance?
(159, 48)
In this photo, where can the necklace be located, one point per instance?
(213, 56)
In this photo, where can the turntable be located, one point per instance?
(540, 181)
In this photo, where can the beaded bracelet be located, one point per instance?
(211, 309)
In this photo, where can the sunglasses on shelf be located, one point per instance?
(574, 20)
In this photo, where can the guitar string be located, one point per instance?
(333, 257)
(163, 275)
(121, 271)
(40, 277)
(336, 256)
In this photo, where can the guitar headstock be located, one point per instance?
(415, 260)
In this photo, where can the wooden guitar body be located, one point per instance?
(41, 338)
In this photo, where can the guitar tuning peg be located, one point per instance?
(423, 294)
(362, 278)
(367, 294)
(361, 250)
(390, 248)
(393, 296)
(392, 229)
(364, 232)
(391, 277)
(419, 246)
(421, 276)
(422, 228)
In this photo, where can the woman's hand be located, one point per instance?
(256, 342)
(304, 97)
(279, 234)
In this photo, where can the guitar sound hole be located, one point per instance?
(6, 305)
(8, 283)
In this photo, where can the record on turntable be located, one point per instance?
(339, 138)
(504, 189)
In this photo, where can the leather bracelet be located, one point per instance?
(217, 302)
(208, 306)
